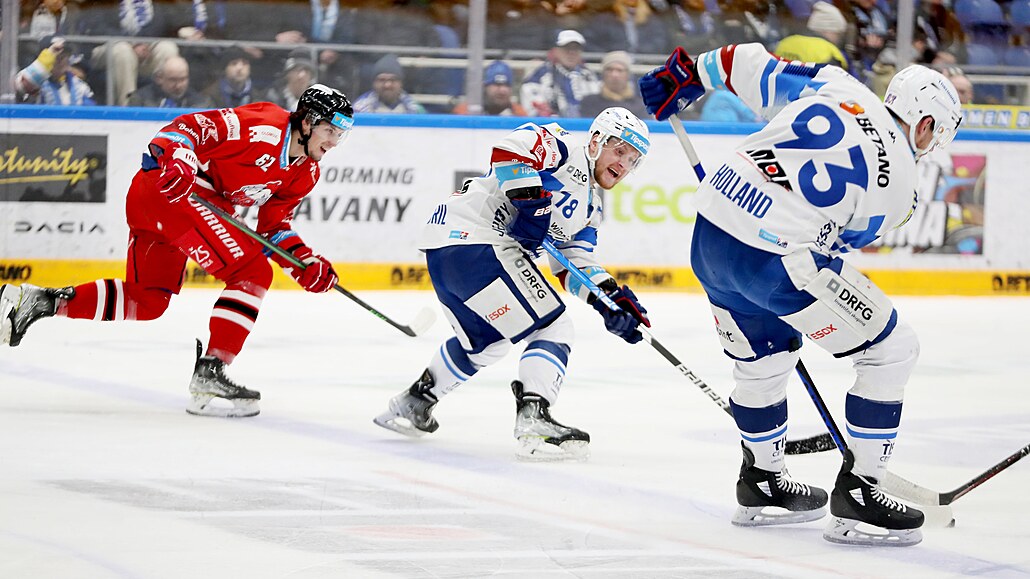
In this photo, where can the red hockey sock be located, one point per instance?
(233, 318)
(114, 300)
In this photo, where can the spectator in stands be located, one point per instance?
(298, 74)
(54, 17)
(235, 87)
(827, 26)
(129, 61)
(571, 14)
(963, 86)
(387, 94)
(497, 79)
(872, 29)
(628, 25)
(171, 88)
(49, 80)
(617, 90)
(557, 86)
(690, 24)
(518, 25)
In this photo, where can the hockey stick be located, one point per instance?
(924, 496)
(937, 514)
(423, 320)
(792, 445)
(812, 444)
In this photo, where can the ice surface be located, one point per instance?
(103, 474)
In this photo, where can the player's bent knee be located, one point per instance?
(490, 354)
(148, 304)
(884, 368)
(561, 331)
(763, 382)
(256, 271)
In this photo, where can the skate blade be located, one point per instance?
(391, 421)
(207, 405)
(768, 516)
(851, 532)
(536, 449)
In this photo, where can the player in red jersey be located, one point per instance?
(254, 155)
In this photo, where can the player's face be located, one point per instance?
(616, 160)
(323, 138)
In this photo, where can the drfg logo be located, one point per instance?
(498, 312)
(530, 279)
(850, 300)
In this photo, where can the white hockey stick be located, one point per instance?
(423, 320)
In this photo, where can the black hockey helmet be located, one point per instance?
(322, 103)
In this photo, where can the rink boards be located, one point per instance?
(64, 173)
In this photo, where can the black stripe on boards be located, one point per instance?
(110, 299)
(241, 308)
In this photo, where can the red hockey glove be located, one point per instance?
(318, 275)
(178, 173)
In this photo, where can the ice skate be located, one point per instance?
(864, 515)
(539, 436)
(21, 306)
(210, 385)
(411, 411)
(774, 498)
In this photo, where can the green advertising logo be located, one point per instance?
(650, 203)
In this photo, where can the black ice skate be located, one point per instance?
(541, 437)
(411, 412)
(864, 515)
(773, 498)
(21, 306)
(210, 383)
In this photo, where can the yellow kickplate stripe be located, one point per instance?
(409, 276)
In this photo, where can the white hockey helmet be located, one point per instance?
(918, 92)
(620, 123)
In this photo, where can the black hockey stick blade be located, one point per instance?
(812, 444)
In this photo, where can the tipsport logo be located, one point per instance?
(636, 139)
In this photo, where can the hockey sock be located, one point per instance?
(542, 368)
(114, 300)
(764, 431)
(871, 428)
(233, 319)
(450, 368)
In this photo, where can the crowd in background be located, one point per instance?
(148, 65)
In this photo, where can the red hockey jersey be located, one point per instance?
(243, 160)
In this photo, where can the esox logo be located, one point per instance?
(823, 332)
(498, 312)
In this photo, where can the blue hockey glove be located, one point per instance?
(623, 323)
(532, 219)
(671, 88)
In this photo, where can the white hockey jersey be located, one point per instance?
(531, 155)
(831, 172)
